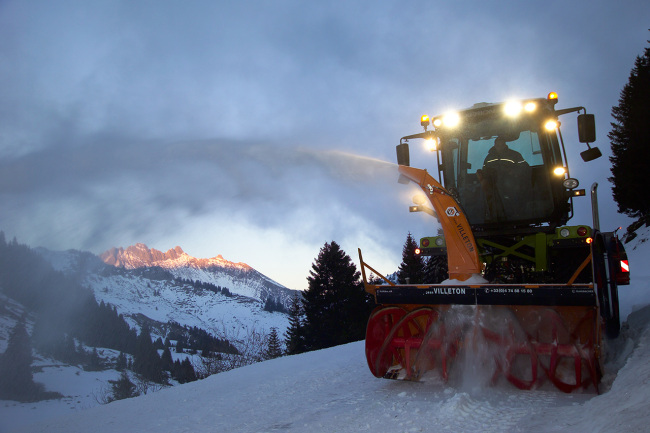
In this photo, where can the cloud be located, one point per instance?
(150, 121)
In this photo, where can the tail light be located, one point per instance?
(623, 275)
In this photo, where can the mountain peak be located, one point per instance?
(141, 256)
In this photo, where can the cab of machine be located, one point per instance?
(504, 165)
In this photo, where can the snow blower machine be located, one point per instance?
(534, 295)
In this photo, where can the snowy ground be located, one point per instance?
(333, 391)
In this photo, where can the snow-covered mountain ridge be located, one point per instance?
(140, 255)
(157, 288)
(238, 278)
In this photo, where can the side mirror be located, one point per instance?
(586, 128)
(591, 154)
(403, 157)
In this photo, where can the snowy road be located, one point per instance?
(333, 391)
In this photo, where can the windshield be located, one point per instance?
(498, 172)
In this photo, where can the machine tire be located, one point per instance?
(607, 290)
(613, 325)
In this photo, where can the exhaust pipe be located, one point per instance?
(594, 205)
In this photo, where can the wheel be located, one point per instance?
(605, 281)
(613, 320)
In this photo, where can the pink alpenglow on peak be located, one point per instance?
(141, 256)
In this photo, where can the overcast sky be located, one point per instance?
(258, 130)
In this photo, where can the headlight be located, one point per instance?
(551, 125)
(419, 199)
(530, 107)
(451, 119)
(440, 242)
(512, 109)
(431, 144)
(559, 171)
(565, 233)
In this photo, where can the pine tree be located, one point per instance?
(273, 349)
(435, 270)
(94, 361)
(146, 360)
(122, 388)
(629, 137)
(294, 337)
(167, 361)
(411, 270)
(16, 379)
(335, 302)
(184, 371)
(120, 363)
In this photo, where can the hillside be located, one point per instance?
(239, 278)
(141, 282)
(78, 311)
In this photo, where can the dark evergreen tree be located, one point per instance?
(146, 360)
(69, 351)
(167, 361)
(176, 369)
(188, 373)
(158, 344)
(183, 372)
(180, 345)
(335, 303)
(411, 270)
(120, 363)
(16, 380)
(294, 337)
(435, 270)
(94, 361)
(273, 348)
(274, 305)
(122, 388)
(630, 136)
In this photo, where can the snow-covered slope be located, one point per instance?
(332, 391)
(237, 277)
(163, 301)
(155, 292)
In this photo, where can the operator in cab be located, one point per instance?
(501, 156)
(503, 179)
